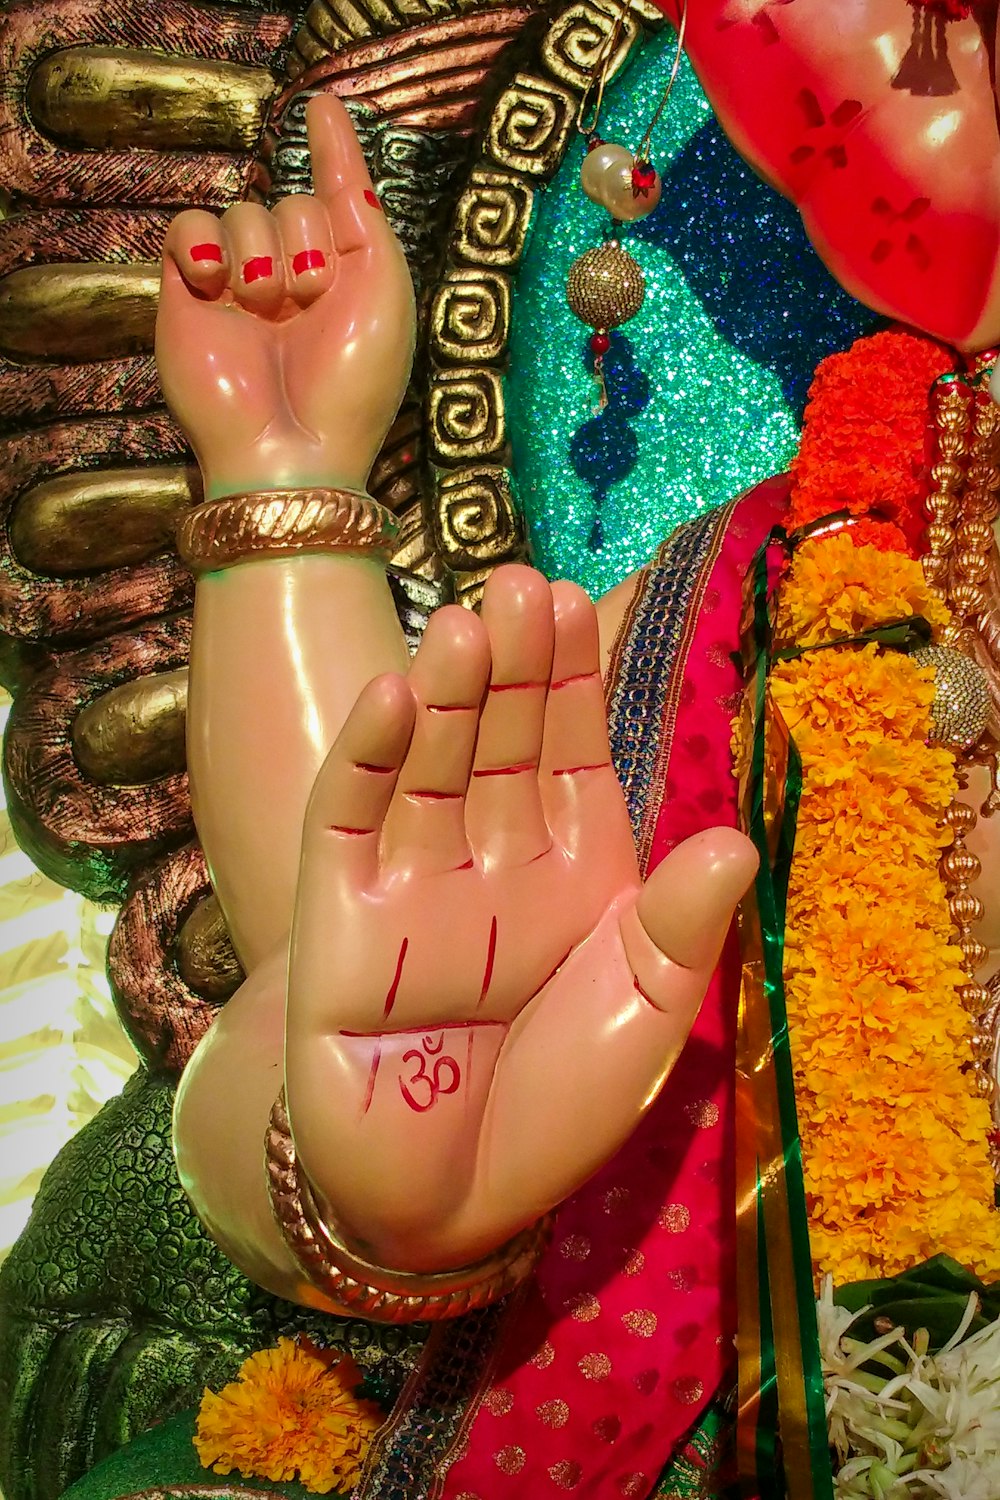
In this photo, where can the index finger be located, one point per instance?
(341, 178)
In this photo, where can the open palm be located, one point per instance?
(474, 956)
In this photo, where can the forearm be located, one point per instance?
(282, 647)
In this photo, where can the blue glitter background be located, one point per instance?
(706, 385)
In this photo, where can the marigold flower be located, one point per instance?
(894, 1134)
(290, 1413)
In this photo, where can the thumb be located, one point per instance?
(674, 934)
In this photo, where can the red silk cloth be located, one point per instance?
(878, 118)
(627, 1330)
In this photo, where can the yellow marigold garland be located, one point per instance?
(290, 1413)
(894, 1133)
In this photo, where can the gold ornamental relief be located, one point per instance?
(492, 220)
(476, 521)
(470, 317)
(530, 126)
(575, 42)
(466, 418)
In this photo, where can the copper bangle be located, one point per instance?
(219, 533)
(360, 1288)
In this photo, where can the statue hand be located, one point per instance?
(284, 339)
(483, 998)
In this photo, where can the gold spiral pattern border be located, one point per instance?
(473, 516)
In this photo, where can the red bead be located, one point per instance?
(600, 343)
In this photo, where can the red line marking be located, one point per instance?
(435, 796)
(371, 200)
(421, 1031)
(467, 866)
(514, 687)
(354, 833)
(257, 268)
(207, 252)
(578, 677)
(540, 855)
(642, 992)
(390, 998)
(308, 260)
(601, 765)
(528, 765)
(363, 765)
(491, 954)
(372, 1075)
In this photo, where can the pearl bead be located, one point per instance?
(598, 164)
(611, 178)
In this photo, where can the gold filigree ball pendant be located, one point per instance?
(961, 708)
(605, 288)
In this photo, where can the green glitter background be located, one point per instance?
(706, 385)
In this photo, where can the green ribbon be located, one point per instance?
(770, 813)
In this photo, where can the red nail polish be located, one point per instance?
(258, 269)
(207, 252)
(308, 260)
(371, 199)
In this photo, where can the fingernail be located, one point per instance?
(308, 260)
(207, 252)
(371, 199)
(258, 269)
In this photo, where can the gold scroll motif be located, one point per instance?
(101, 98)
(492, 220)
(470, 317)
(576, 40)
(110, 518)
(466, 419)
(73, 313)
(530, 126)
(134, 734)
(476, 520)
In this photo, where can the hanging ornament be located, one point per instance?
(606, 286)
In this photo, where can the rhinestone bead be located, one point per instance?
(605, 286)
(961, 707)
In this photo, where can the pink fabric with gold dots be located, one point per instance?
(627, 1330)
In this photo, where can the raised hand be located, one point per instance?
(284, 339)
(483, 998)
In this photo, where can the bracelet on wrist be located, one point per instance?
(358, 1287)
(220, 533)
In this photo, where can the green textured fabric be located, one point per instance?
(117, 1309)
(164, 1456)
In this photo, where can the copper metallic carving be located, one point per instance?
(162, 1012)
(87, 836)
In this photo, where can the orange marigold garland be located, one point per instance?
(894, 1133)
(292, 1412)
(864, 443)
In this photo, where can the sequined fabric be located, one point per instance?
(706, 385)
